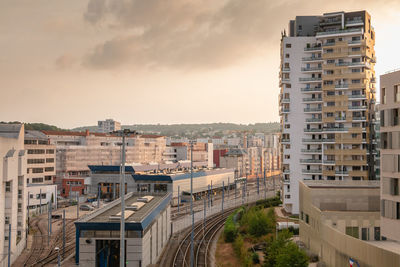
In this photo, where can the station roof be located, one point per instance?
(109, 168)
(144, 177)
(139, 220)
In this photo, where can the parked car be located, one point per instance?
(86, 207)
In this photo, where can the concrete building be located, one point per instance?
(77, 150)
(39, 197)
(236, 159)
(147, 232)
(108, 126)
(390, 158)
(340, 222)
(12, 191)
(106, 179)
(327, 98)
(41, 158)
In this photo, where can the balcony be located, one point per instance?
(311, 171)
(287, 171)
(357, 96)
(285, 110)
(286, 181)
(314, 120)
(340, 32)
(336, 129)
(310, 79)
(311, 161)
(285, 141)
(329, 162)
(308, 140)
(329, 44)
(316, 69)
(341, 86)
(285, 69)
(355, 22)
(285, 100)
(312, 130)
(328, 140)
(357, 107)
(311, 150)
(312, 59)
(310, 99)
(359, 118)
(313, 109)
(314, 48)
(330, 22)
(315, 89)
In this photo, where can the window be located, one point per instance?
(49, 169)
(377, 233)
(356, 49)
(19, 194)
(47, 178)
(364, 233)
(383, 96)
(7, 220)
(307, 219)
(352, 231)
(287, 56)
(287, 196)
(49, 151)
(356, 81)
(37, 170)
(8, 186)
(37, 180)
(49, 160)
(288, 45)
(19, 207)
(396, 93)
(35, 161)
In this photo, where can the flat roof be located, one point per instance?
(139, 220)
(342, 184)
(388, 245)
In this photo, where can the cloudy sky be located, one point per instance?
(73, 62)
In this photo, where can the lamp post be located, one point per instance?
(123, 133)
(191, 206)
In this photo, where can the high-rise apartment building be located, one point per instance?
(327, 100)
(41, 158)
(390, 154)
(12, 191)
(108, 126)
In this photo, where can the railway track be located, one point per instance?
(38, 243)
(203, 237)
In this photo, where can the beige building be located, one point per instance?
(108, 126)
(41, 158)
(12, 191)
(340, 222)
(390, 154)
(76, 150)
(327, 97)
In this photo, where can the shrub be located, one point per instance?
(230, 229)
(255, 258)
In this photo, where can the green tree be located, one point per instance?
(291, 256)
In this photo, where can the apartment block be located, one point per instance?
(12, 191)
(41, 158)
(390, 154)
(327, 83)
(108, 126)
(77, 150)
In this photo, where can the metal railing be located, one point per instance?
(339, 31)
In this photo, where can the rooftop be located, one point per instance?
(139, 220)
(342, 184)
(10, 130)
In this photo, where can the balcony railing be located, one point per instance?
(313, 48)
(314, 130)
(312, 69)
(329, 44)
(329, 162)
(285, 100)
(357, 107)
(285, 69)
(354, 21)
(311, 171)
(307, 140)
(315, 89)
(285, 141)
(313, 120)
(357, 96)
(311, 150)
(341, 172)
(312, 109)
(359, 118)
(310, 79)
(342, 86)
(312, 58)
(310, 99)
(336, 129)
(310, 161)
(339, 31)
(328, 140)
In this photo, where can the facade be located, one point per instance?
(12, 191)
(147, 233)
(327, 62)
(340, 222)
(390, 150)
(41, 158)
(39, 197)
(77, 150)
(108, 126)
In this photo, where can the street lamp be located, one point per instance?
(57, 249)
(123, 133)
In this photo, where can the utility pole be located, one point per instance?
(48, 224)
(124, 133)
(40, 200)
(98, 195)
(9, 245)
(191, 207)
(228, 188)
(63, 235)
(77, 205)
(223, 194)
(208, 196)
(258, 185)
(211, 194)
(179, 188)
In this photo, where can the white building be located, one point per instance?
(327, 100)
(107, 126)
(39, 197)
(12, 191)
(41, 158)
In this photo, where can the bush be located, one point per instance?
(230, 229)
(255, 258)
(241, 252)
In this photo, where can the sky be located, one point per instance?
(71, 63)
